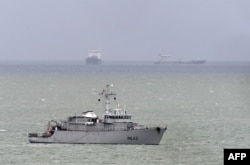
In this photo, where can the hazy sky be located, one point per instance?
(49, 30)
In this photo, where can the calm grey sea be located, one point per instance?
(205, 107)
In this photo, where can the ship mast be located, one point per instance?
(106, 93)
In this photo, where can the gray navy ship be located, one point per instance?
(116, 127)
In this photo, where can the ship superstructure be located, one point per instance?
(116, 127)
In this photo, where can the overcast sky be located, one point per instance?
(51, 30)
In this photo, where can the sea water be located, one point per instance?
(206, 108)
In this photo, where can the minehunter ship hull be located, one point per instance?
(150, 136)
(116, 127)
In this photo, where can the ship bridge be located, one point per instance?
(117, 116)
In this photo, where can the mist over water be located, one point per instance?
(205, 107)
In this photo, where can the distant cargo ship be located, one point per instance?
(198, 61)
(94, 57)
(163, 59)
